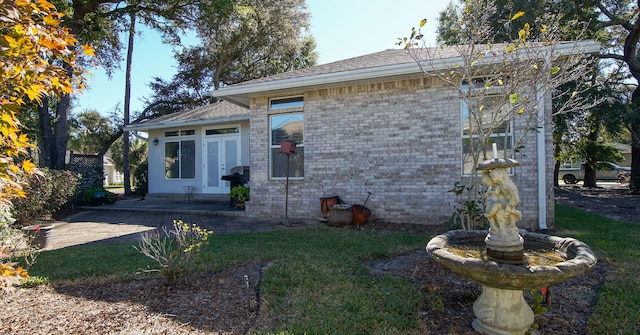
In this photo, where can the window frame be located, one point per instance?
(289, 102)
(297, 109)
(507, 136)
(180, 137)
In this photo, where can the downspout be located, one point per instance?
(542, 166)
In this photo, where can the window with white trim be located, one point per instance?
(180, 155)
(502, 133)
(287, 127)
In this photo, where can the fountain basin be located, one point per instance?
(578, 259)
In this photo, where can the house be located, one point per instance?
(189, 152)
(111, 175)
(373, 123)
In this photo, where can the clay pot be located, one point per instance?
(326, 203)
(340, 215)
(361, 215)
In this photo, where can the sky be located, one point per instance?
(342, 29)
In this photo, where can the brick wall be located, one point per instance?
(398, 139)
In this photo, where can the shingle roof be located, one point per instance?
(221, 111)
(389, 57)
(387, 63)
(377, 59)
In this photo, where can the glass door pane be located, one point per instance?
(230, 154)
(213, 176)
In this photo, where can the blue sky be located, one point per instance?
(342, 29)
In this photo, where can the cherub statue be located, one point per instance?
(501, 200)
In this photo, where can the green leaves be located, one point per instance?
(514, 98)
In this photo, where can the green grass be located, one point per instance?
(317, 283)
(120, 260)
(616, 243)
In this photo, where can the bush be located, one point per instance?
(87, 196)
(469, 210)
(177, 252)
(45, 194)
(141, 176)
(12, 246)
(240, 193)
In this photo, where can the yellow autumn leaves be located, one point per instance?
(33, 47)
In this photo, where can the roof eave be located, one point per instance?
(185, 123)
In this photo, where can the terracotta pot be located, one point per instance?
(361, 215)
(326, 203)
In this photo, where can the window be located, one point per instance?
(502, 133)
(222, 131)
(287, 127)
(179, 133)
(179, 156)
(286, 103)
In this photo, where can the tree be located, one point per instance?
(32, 49)
(127, 105)
(602, 76)
(608, 116)
(137, 153)
(100, 23)
(521, 71)
(244, 41)
(449, 26)
(255, 34)
(88, 132)
(619, 22)
(502, 83)
(451, 30)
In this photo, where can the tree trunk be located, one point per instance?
(61, 133)
(46, 135)
(127, 105)
(589, 176)
(634, 184)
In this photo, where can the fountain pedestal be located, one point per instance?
(505, 250)
(503, 312)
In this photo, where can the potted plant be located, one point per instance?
(240, 194)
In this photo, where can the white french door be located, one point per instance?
(221, 154)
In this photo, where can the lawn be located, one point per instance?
(318, 284)
(615, 243)
(315, 272)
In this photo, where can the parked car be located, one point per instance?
(604, 171)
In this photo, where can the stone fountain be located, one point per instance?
(504, 271)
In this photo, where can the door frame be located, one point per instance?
(224, 187)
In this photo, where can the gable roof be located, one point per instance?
(387, 63)
(214, 113)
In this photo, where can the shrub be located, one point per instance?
(45, 194)
(469, 210)
(240, 193)
(177, 251)
(12, 246)
(87, 196)
(141, 176)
